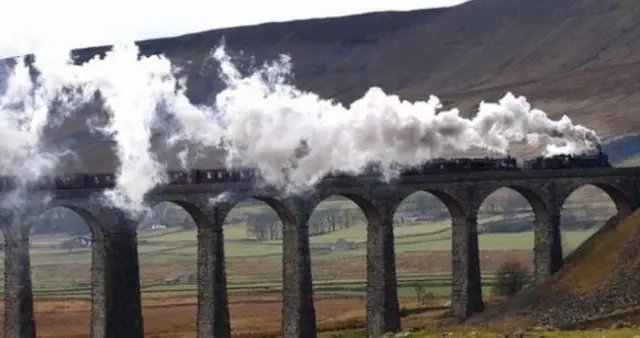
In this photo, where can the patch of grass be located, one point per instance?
(493, 242)
(238, 250)
(330, 203)
(358, 233)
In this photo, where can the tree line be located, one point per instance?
(266, 225)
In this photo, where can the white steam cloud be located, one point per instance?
(131, 89)
(294, 138)
(262, 122)
(26, 100)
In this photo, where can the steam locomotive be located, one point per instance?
(462, 165)
(598, 160)
(433, 167)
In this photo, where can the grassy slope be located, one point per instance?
(588, 271)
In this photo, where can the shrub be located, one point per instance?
(511, 278)
(423, 297)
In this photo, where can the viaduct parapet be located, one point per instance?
(116, 306)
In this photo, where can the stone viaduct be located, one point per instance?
(116, 309)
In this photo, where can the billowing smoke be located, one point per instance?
(131, 89)
(262, 121)
(293, 137)
(26, 100)
(513, 120)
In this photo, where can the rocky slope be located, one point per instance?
(599, 281)
(567, 56)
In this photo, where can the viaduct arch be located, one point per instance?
(116, 296)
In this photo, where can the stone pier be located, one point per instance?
(548, 258)
(122, 283)
(19, 319)
(213, 305)
(383, 309)
(466, 288)
(298, 310)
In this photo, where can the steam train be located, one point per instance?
(108, 180)
(599, 160)
(462, 165)
(433, 167)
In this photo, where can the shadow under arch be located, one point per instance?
(619, 198)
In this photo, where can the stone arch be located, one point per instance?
(284, 212)
(424, 246)
(192, 209)
(353, 267)
(621, 200)
(582, 215)
(477, 254)
(98, 263)
(298, 314)
(366, 204)
(453, 205)
(228, 200)
(96, 228)
(536, 202)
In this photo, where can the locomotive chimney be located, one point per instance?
(599, 148)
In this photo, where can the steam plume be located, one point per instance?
(26, 100)
(131, 89)
(261, 121)
(292, 137)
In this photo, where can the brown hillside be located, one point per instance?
(599, 280)
(568, 56)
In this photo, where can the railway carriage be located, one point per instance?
(71, 181)
(103, 180)
(583, 161)
(182, 176)
(213, 176)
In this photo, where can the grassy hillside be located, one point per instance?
(596, 284)
(567, 56)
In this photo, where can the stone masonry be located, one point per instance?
(116, 309)
(18, 305)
